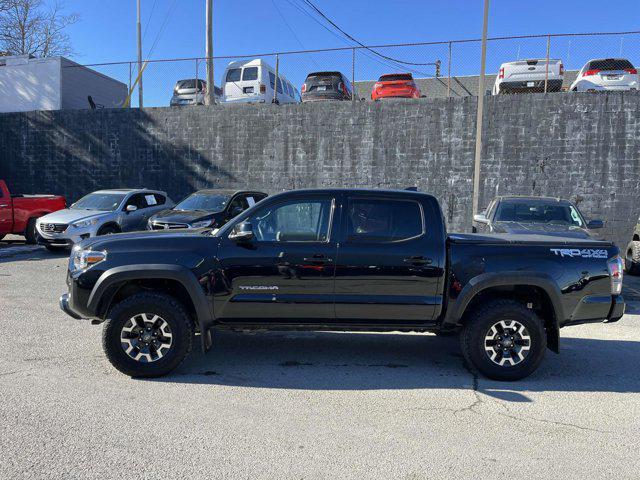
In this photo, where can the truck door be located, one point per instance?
(6, 211)
(389, 263)
(284, 274)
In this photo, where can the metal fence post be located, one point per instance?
(129, 78)
(275, 84)
(353, 75)
(196, 97)
(546, 70)
(449, 73)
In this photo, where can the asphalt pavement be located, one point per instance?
(304, 405)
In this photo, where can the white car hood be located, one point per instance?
(69, 215)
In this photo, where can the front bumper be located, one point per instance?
(66, 308)
(68, 238)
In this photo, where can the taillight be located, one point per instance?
(304, 88)
(588, 73)
(377, 85)
(632, 71)
(561, 69)
(501, 74)
(263, 88)
(341, 88)
(615, 272)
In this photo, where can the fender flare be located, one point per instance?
(487, 280)
(104, 289)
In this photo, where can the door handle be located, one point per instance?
(318, 259)
(418, 260)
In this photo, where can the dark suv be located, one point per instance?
(210, 208)
(326, 86)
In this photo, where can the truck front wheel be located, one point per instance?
(147, 335)
(503, 340)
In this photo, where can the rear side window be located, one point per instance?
(610, 64)
(395, 78)
(272, 80)
(383, 220)
(250, 73)
(233, 75)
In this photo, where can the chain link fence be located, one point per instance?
(440, 69)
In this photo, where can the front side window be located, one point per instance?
(383, 220)
(105, 202)
(233, 75)
(293, 221)
(139, 200)
(250, 73)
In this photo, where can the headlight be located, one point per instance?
(202, 224)
(85, 223)
(84, 259)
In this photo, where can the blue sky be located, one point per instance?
(106, 33)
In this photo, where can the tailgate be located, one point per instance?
(531, 69)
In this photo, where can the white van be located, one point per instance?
(253, 81)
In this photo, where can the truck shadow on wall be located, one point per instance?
(74, 153)
(366, 361)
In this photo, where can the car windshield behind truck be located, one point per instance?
(106, 202)
(538, 212)
(204, 201)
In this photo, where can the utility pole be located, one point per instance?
(483, 61)
(211, 88)
(140, 102)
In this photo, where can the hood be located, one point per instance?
(147, 239)
(183, 216)
(520, 228)
(69, 215)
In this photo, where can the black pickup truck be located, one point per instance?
(341, 260)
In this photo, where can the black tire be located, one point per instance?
(108, 230)
(632, 258)
(478, 325)
(30, 233)
(166, 307)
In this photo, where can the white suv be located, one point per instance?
(606, 74)
(525, 76)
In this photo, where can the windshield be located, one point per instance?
(539, 212)
(210, 202)
(106, 202)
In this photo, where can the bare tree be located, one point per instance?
(29, 27)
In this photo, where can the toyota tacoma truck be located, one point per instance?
(341, 260)
(18, 213)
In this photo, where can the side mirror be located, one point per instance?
(480, 218)
(130, 208)
(242, 232)
(595, 224)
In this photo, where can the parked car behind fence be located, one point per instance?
(529, 76)
(191, 92)
(395, 85)
(320, 86)
(606, 74)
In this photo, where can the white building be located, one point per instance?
(54, 83)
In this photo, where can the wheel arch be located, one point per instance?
(110, 223)
(119, 283)
(537, 289)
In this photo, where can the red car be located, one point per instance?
(395, 85)
(18, 213)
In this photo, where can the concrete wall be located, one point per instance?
(579, 146)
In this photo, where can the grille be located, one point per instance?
(53, 227)
(167, 226)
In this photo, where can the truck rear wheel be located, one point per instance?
(147, 335)
(503, 340)
(632, 258)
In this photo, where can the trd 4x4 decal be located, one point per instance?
(580, 252)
